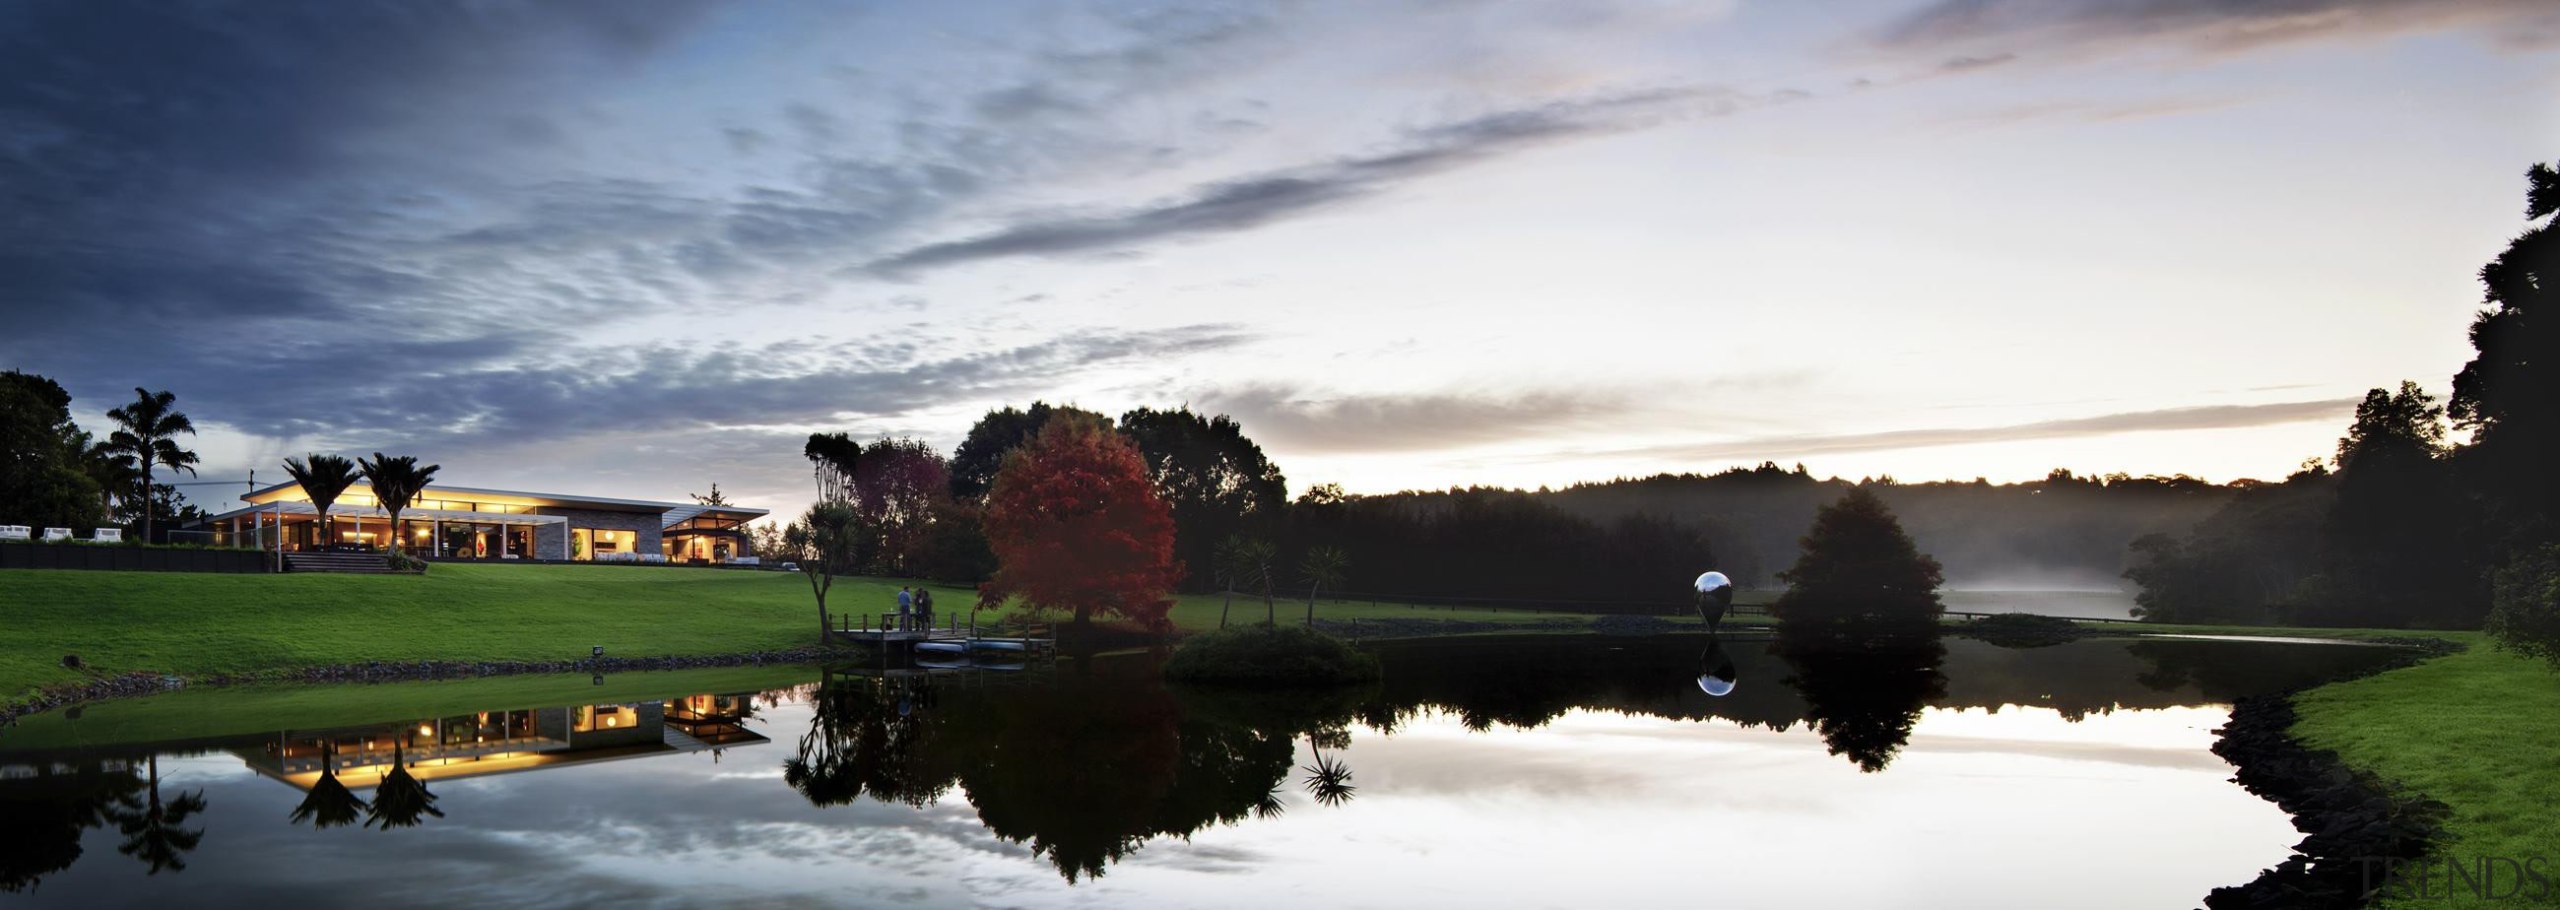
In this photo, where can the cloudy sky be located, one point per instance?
(634, 248)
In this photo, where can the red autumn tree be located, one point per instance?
(1076, 525)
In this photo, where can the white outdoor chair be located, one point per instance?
(15, 532)
(52, 534)
(107, 535)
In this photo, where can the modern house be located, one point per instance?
(453, 522)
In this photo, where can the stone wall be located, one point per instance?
(646, 526)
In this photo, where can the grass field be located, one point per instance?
(193, 624)
(2476, 730)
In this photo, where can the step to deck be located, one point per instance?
(352, 563)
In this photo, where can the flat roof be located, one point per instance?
(517, 497)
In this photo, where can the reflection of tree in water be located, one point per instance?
(2225, 670)
(1863, 690)
(1085, 767)
(401, 800)
(329, 804)
(155, 830)
(43, 817)
(871, 736)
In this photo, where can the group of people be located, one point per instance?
(915, 608)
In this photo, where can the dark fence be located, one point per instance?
(129, 558)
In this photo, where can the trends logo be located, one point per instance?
(2483, 878)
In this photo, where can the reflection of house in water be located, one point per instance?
(496, 742)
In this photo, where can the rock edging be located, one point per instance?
(2353, 820)
(130, 685)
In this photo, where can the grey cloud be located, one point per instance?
(2210, 26)
(1259, 199)
(2210, 417)
(669, 388)
(2094, 111)
(1393, 423)
(746, 140)
(1968, 64)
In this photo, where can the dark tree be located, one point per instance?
(981, 453)
(329, 804)
(1215, 479)
(1859, 575)
(44, 477)
(896, 483)
(2394, 550)
(833, 458)
(2509, 394)
(323, 478)
(824, 543)
(42, 818)
(2242, 563)
(148, 431)
(953, 545)
(401, 800)
(155, 831)
(1864, 701)
(2526, 615)
(396, 483)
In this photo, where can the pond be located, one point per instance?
(1563, 771)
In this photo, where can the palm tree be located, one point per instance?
(150, 427)
(154, 832)
(329, 804)
(401, 800)
(396, 483)
(1322, 566)
(1329, 779)
(323, 477)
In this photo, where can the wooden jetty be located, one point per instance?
(887, 632)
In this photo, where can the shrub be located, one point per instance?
(1271, 656)
(402, 562)
(2525, 610)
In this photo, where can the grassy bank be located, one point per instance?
(193, 624)
(230, 711)
(2475, 730)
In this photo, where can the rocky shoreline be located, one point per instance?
(2353, 822)
(132, 685)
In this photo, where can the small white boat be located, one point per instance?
(941, 647)
(985, 645)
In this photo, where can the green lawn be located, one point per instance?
(2478, 730)
(192, 624)
(233, 710)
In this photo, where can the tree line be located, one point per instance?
(2407, 523)
(55, 474)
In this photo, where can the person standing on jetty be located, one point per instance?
(906, 606)
(924, 609)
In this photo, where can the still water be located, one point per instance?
(1481, 773)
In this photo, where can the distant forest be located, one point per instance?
(2064, 531)
(2408, 525)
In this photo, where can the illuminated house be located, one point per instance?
(450, 522)
(498, 742)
